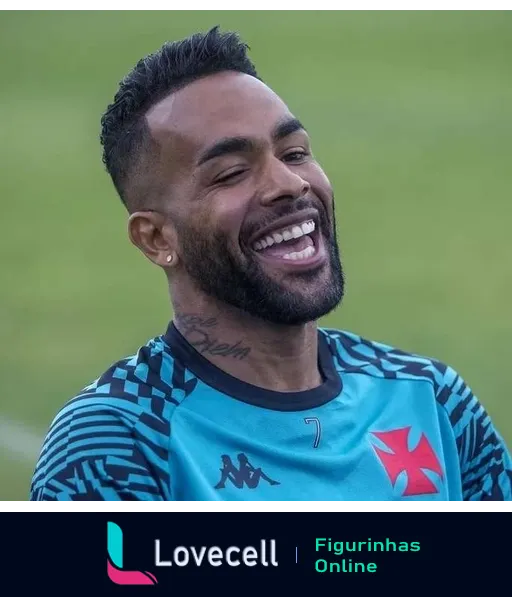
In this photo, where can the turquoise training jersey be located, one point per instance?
(166, 424)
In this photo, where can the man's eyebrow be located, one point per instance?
(225, 146)
(243, 144)
(287, 127)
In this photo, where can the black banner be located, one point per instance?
(239, 553)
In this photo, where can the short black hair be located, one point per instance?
(124, 134)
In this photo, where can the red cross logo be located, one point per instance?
(411, 461)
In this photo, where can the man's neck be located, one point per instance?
(280, 358)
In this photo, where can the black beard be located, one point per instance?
(245, 285)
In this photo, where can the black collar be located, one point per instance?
(179, 348)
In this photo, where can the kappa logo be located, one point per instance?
(413, 462)
(245, 474)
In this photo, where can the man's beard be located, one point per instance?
(246, 286)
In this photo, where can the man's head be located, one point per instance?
(216, 172)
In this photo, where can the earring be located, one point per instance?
(169, 258)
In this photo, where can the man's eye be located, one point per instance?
(229, 176)
(295, 156)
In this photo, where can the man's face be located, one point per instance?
(253, 210)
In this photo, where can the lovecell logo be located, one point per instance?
(116, 571)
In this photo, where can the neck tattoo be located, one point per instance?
(200, 333)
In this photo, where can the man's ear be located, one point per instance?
(152, 233)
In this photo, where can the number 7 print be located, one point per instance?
(316, 421)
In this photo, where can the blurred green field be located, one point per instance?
(411, 117)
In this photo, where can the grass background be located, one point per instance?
(410, 115)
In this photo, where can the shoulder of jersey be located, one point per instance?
(355, 354)
(143, 382)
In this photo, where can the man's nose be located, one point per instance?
(281, 182)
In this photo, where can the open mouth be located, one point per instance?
(298, 244)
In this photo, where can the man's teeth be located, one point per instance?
(284, 235)
(307, 252)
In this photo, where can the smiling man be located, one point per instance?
(244, 396)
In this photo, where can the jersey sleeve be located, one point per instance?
(485, 460)
(96, 451)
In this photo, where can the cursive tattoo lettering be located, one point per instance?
(198, 332)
